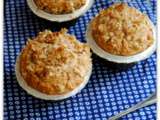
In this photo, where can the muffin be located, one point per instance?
(122, 34)
(54, 64)
(59, 6)
(122, 30)
(60, 10)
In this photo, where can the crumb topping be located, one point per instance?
(59, 6)
(122, 30)
(55, 62)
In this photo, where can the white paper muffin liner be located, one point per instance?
(116, 58)
(63, 17)
(43, 96)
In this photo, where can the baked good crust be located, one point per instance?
(54, 63)
(59, 6)
(122, 30)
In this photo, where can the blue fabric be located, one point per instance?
(107, 93)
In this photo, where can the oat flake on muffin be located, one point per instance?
(54, 63)
(122, 30)
(59, 6)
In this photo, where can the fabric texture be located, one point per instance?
(108, 91)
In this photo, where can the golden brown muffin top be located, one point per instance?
(122, 30)
(59, 6)
(55, 62)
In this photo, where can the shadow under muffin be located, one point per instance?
(46, 24)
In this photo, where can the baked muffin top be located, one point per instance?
(55, 62)
(122, 30)
(59, 6)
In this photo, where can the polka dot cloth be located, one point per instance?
(108, 91)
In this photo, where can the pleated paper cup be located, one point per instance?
(61, 17)
(117, 61)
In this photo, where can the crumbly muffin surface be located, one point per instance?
(122, 30)
(55, 62)
(59, 6)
